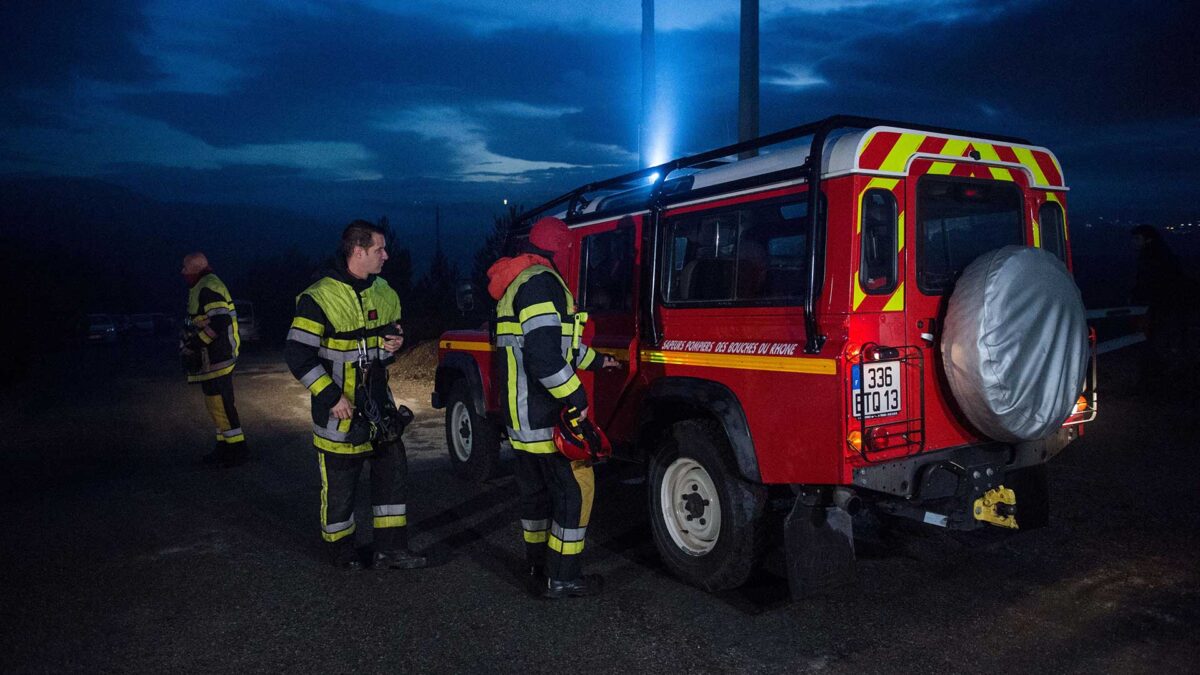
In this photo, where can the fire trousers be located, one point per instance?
(556, 504)
(218, 399)
(389, 492)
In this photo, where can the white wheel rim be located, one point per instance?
(690, 507)
(460, 431)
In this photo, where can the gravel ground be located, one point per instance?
(123, 554)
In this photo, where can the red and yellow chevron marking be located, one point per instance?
(893, 302)
(890, 152)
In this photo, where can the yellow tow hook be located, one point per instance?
(997, 506)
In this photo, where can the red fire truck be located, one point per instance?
(854, 313)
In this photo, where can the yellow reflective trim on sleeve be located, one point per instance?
(308, 325)
(588, 358)
(565, 547)
(536, 310)
(538, 537)
(566, 388)
(206, 337)
(389, 521)
(534, 447)
(319, 385)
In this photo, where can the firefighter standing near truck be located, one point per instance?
(537, 337)
(345, 333)
(210, 351)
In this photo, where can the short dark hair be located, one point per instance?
(359, 233)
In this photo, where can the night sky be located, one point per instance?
(349, 109)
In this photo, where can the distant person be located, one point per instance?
(1168, 294)
(345, 333)
(535, 322)
(210, 351)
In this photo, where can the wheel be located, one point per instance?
(473, 441)
(706, 520)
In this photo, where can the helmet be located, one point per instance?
(580, 440)
(550, 234)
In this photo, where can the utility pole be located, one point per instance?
(649, 86)
(748, 76)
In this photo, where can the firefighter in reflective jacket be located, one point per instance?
(210, 351)
(537, 335)
(345, 333)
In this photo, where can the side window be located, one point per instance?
(749, 255)
(606, 272)
(1050, 219)
(877, 269)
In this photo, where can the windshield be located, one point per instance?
(959, 219)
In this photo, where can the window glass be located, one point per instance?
(877, 271)
(959, 219)
(607, 271)
(749, 255)
(1050, 220)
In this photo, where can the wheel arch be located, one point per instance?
(458, 366)
(673, 399)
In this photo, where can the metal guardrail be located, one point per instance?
(1117, 313)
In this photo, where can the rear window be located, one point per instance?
(959, 219)
(1050, 218)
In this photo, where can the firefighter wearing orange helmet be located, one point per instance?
(539, 351)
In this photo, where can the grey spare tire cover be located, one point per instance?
(1014, 343)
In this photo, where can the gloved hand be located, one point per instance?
(582, 427)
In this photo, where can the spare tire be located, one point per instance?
(1014, 343)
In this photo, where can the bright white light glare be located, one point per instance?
(652, 177)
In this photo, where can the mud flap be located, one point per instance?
(819, 549)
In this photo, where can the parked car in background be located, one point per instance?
(143, 323)
(101, 328)
(247, 325)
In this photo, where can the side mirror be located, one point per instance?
(464, 296)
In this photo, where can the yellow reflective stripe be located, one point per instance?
(511, 382)
(859, 293)
(566, 388)
(904, 148)
(308, 325)
(203, 377)
(344, 345)
(538, 537)
(206, 337)
(535, 447)
(588, 358)
(781, 364)
(955, 147)
(508, 328)
(340, 448)
(319, 385)
(565, 547)
(389, 521)
(940, 168)
(536, 310)
(1025, 156)
(899, 231)
(585, 477)
(467, 346)
(217, 305)
(896, 302)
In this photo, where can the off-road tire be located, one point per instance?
(741, 537)
(472, 442)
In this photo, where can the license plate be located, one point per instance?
(875, 389)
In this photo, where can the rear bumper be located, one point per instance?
(937, 474)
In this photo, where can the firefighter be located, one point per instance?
(537, 335)
(210, 351)
(345, 333)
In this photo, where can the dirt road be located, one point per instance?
(122, 554)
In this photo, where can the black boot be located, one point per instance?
(585, 585)
(344, 556)
(398, 559)
(236, 454)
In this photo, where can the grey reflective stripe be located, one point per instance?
(232, 432)
(583, 351)
(561, 377)
(531, 435)
(568, 533)
(389, 510)
(522, 390)
(312, 375)
(566, 346)
(303, 337)
(330, 434)
(540, 321)
(535, 525)
(337, 355)
(510, 341)
(221, 310)
(334, 528)
(213, 367)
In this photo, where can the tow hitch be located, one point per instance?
(998, 507)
